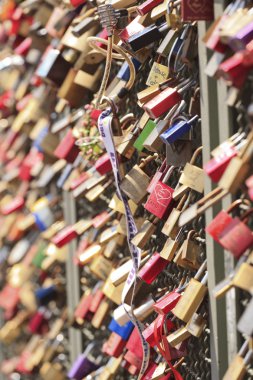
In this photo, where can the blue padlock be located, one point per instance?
(123, 331)
(124, 72)
(45, 295)
(177, 130)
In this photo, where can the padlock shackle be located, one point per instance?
(196, 154)
(245, 216)
(182, 202)
(201, 270)
(145, 161)
(193, 119)
(191, 234)
(168, 174)
(234, 205)
(244, 349)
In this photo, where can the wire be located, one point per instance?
(121, 55)
(107, 71)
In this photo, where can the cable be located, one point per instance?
(122, 55)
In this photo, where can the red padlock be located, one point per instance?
(134, 360)
(96, 300)
(131, 29)
(67, 148)
(162, 102)
(83, 307)
(114, 346)
(14, 205)
(221, 221)
(147, 6)
(101, 219)
(38, 323)
(167, 303)
(234, 69)
(237, 237)
(103, 164)
(9, 297)
(24, 47)
(155, 265)
(64, 236)
(214, 42)
(160, 202)
(217, 166)
(32, 159)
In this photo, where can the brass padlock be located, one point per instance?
(193, 296)
(191, 178)
(52, 371)
(135, 183)
(171, 227)
(237, 368)
(189, 253)
(144, 234)
(238, 168)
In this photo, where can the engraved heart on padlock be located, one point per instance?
(162, 195)
(196, 5)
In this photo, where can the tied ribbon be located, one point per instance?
(165, 349)
(105, 129)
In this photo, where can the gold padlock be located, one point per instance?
(192, 297)
(136, 181)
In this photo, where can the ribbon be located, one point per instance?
(165, 350)
(105, 129)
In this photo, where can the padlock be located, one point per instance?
(188, 255)
(173, 16)
(243, 277)
(170, 227)
(217, 165)
(67, 148)
(167, 99)
(114, 346)
(154, 142)
(155, 265)
(237, 237)
(65, 236)
(165, 304)
(191, 178)
(197, 11)
(238, 168)
(135, 183)
(123, 331)
(170, 248)
(97, 190)
(84, 364)
(50, 371)
(220, 222)
(193, 296)
(144, 134)
(160, 201)
(144, 234)
(101, 314)
(237, 368)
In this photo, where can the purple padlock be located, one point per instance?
(83, 365)
(242, 38)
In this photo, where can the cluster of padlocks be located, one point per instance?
(102, 170)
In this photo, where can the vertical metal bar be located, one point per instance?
(215, 257)
(225, 122)
(73, 278)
